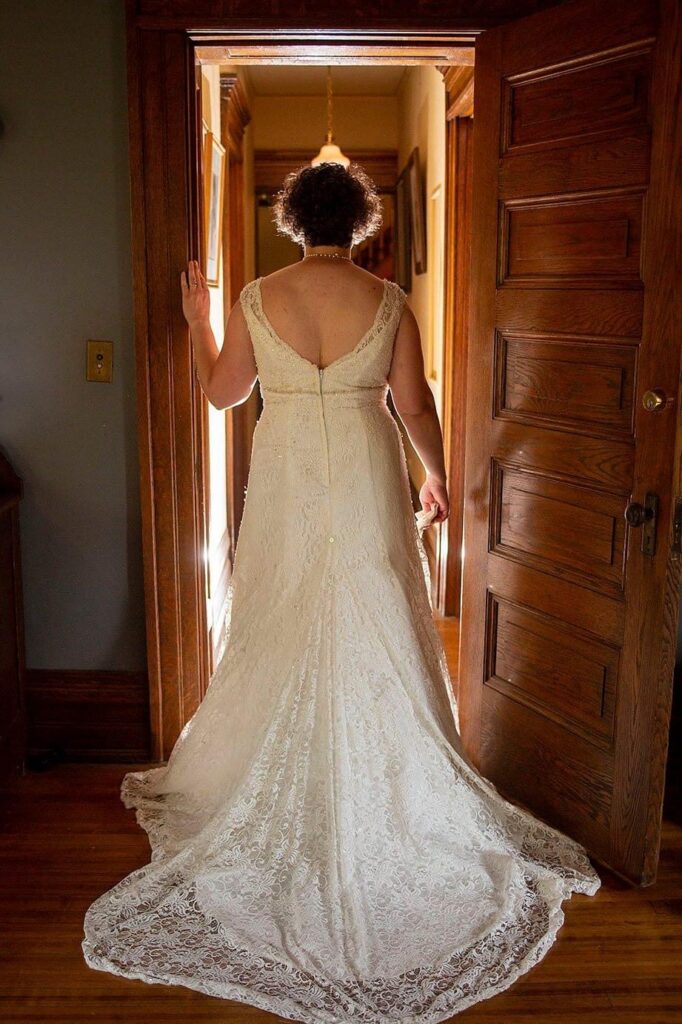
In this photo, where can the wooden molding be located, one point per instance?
(165, 161)
(94, 716)
(321, 20)
(459, 134)
(459, 85)
(236, 114)
(390, 48)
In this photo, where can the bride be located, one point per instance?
(321, 846)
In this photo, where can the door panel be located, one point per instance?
(544, 110)
(568, 630)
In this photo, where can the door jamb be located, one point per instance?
(459, 85)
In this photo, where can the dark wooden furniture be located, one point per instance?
(12, 657)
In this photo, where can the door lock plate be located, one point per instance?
(676, 549)
(649, 527)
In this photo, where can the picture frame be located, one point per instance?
(417, 210)
(214, 191)
(403, 233)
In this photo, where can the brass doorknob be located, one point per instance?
(654, 400)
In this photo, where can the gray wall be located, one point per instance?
(65, 233)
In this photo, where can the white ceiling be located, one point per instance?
(310, 80)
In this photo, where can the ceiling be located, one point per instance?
(311, 80)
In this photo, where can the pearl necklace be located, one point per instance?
(328, 255)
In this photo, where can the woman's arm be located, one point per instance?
(227, 375)
(416, 407)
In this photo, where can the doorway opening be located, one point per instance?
(409, 126)
(166, 102)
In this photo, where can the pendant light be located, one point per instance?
(330, 152)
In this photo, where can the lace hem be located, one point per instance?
(183, 945)
(420, 996)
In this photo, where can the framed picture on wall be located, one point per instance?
(434, 219)
(403, 233)
(214, 189)
(417, 209)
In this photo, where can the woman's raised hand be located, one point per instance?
(196, 298)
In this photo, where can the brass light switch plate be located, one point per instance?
(100, 362)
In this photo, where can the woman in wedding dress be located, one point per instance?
(321, 847)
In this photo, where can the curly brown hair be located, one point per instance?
(328, 205)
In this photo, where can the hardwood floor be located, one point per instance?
(65, 837)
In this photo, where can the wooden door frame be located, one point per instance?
(459, 86)
(165, 41)
(163, 50)
(234, 116)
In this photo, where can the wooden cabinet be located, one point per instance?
(12, 659)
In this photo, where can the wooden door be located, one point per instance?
(569, 613)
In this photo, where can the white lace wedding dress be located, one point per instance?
(321, 846)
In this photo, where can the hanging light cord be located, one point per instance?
(330, 137)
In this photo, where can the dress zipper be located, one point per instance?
(320, 371)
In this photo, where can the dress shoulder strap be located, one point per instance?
(257, 324)
(396, 303)
(247, 299)
(400, 295)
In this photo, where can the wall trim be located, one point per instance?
(77, 715)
